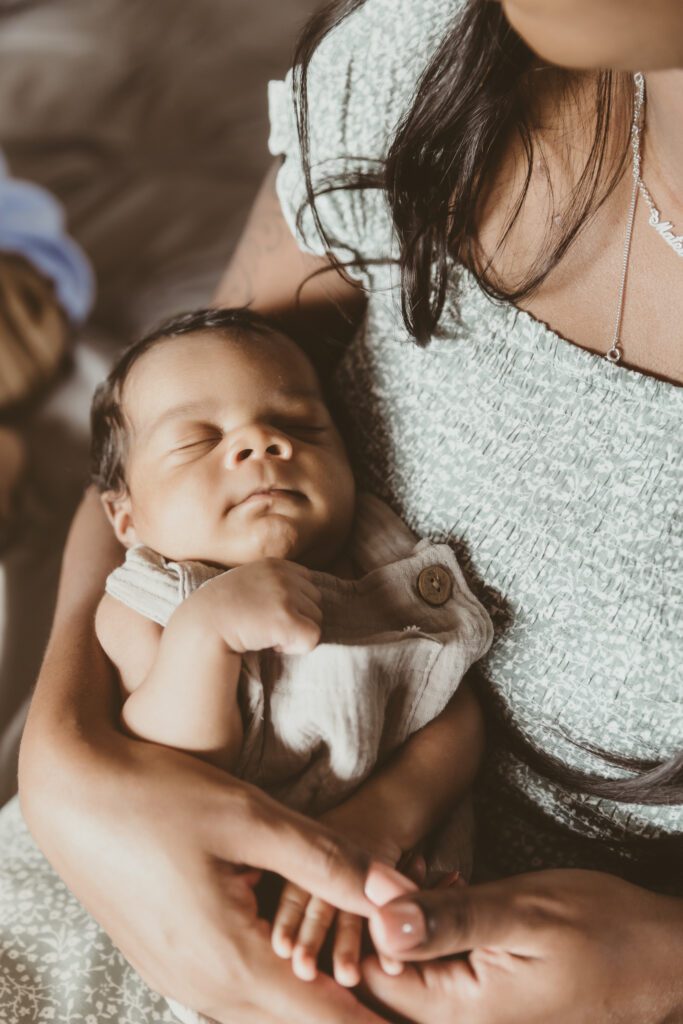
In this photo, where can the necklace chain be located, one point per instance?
(614, 352)
(663, 227)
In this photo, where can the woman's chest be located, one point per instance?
(560, 492)
(582, 298)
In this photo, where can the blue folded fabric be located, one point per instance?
(32, 225)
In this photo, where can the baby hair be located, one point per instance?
(109, 430)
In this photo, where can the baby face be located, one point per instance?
(233, 455)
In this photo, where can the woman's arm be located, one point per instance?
(106, 810)
(271, 274)
(92, 796)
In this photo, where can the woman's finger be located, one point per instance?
(414, 867)
(272, 837)
(288, 918)
(443, 922)
(346, 951)
(318, 918)
(424, 994)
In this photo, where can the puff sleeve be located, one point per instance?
(362, 78)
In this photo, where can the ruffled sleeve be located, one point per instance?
(153, 586)
(362, 79)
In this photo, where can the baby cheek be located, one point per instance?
(169, 513)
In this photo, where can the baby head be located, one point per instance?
(212, 441)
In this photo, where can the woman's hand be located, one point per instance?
(565, 947)
(148, 846)
(147, 839)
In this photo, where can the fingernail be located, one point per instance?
(282, 943)
(384, 884)
(398, 927)
(391, 967)
(304, 967)
(347, 974)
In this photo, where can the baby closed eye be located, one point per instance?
(196, 445)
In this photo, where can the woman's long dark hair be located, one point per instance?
(477, 95)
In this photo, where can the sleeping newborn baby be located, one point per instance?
(269, 619)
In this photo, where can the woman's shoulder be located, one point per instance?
(363, 74)
(367, 69)
(360, 82)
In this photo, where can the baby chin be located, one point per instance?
(269, 535)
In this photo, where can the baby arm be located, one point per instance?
(182, 681)
(389, 815)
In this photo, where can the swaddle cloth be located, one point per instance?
(396, 642)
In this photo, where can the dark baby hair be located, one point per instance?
(108, 428)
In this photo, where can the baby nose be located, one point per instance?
(259, 444)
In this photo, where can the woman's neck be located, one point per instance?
(663, 138)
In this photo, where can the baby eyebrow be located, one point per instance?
(180, 411)
(200, 409)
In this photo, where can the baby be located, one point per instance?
(270, 620)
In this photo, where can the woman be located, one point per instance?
(552, 469)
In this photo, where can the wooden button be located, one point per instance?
(435, 585)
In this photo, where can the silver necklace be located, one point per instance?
(663, 227)
(614, 353)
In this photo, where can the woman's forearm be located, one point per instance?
(75, 696)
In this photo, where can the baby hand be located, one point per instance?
(301, 925)
(265, 604)
(302, 922)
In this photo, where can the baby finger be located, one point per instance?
(299, 635)
(288, 918)
(346, 953)
(314, 927)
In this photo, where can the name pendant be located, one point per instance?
(666, 229)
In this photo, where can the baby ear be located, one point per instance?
(118, 510)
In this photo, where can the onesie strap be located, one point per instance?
(150, 585)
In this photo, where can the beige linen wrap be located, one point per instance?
(389, 660)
